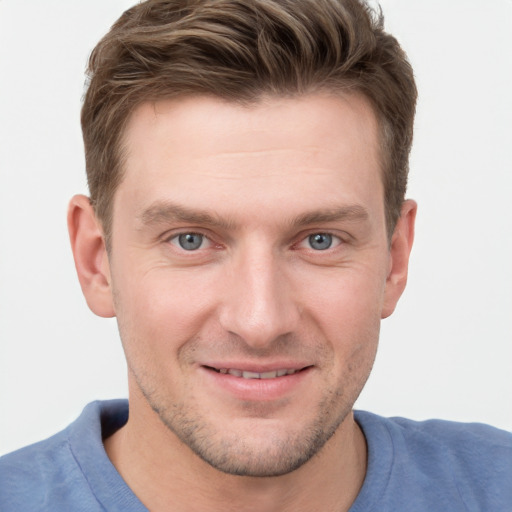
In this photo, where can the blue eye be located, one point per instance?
(189, 241)
(320, 241)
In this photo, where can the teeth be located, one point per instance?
(256, 375)
(251, 375)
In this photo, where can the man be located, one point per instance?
(247, 227)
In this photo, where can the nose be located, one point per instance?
(259, 304)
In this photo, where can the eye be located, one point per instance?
(190, 241)
(321, 241)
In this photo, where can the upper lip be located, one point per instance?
(257, 367)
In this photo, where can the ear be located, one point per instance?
(401, 245)
(91, 258)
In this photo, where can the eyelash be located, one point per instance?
(174, 240)
(335, 240)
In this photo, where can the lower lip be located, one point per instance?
(256, 389)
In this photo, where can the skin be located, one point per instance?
(253, 184)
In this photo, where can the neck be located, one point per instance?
(165, 474)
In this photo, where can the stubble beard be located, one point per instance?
(272, 451)
(239, 454)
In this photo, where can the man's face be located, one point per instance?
(248, 266)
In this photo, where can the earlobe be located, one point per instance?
(90, 254)
(400, 250)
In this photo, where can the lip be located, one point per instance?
(257, 367)
(255, 389)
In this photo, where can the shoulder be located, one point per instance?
(446, 462)
(467, 440)
(28, 474)
(469, 447)
(49, 475)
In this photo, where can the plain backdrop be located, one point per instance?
(446, 352)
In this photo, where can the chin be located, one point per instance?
(253, 446)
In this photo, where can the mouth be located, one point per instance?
(245, 374)
(257, 383)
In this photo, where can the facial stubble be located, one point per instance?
(275, 453)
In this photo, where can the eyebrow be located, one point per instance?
(353, 213)
(169, 212)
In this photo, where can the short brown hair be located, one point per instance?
(240, 50)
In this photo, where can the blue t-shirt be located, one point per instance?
(429, 466)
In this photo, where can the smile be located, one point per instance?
(255, 375)
(247, 382)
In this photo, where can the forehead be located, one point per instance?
(283, 119)
(201, 150)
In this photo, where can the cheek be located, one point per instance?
(346, 308)
(162, 308)
(352, 295)
(350, 324)
(156, 317)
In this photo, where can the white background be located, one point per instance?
(447, 351)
